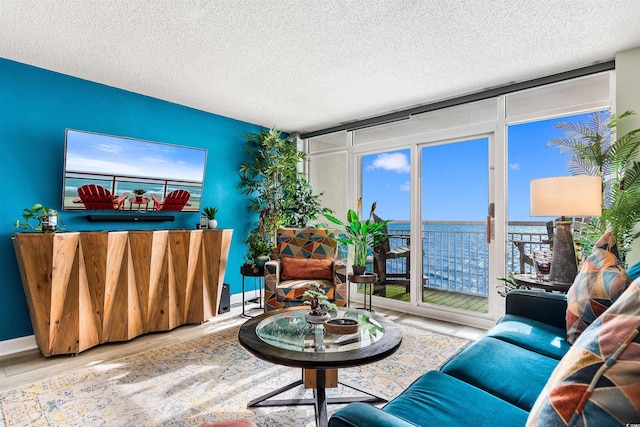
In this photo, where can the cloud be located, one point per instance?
(396, 162)
(514, 166)
(109, 148)
(406, 186)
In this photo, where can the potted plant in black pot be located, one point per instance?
(360, 235)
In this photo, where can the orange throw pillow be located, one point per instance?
(306, 268)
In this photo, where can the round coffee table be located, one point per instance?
(284, 337)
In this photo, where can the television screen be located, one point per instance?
(112, 173)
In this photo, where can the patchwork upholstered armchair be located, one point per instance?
(305, 255)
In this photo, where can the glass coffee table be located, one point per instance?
(285, 337)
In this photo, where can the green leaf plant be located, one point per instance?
(279, 193)
(210, 212)
(38, 213)
(594, 151)
(316, 298)
(360, 235)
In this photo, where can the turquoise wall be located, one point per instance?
(36, 106)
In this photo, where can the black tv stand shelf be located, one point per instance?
(130, 218)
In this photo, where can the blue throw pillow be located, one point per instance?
(634, 271)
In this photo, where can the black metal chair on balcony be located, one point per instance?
(401, 273)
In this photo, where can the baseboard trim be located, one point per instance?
(18, 345)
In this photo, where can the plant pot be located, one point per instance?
(358, 270)
(213, 223)
(261, 260)
(48, 226)
(315, 319)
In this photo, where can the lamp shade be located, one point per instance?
(566, 196)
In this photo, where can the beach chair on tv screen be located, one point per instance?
(96, 197)
(174, 201)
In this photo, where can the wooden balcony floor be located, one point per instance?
(478, 304)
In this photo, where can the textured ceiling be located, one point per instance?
(307, 65)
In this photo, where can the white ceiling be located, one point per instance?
(307, 65)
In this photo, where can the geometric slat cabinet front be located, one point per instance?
(88, 288)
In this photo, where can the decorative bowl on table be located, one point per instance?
(341, 326)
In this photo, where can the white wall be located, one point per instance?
(628, 98)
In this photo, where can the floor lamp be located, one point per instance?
(566, 196)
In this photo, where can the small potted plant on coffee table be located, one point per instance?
(317, 300)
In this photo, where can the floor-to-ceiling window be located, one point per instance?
(532, 155)
(423, 160)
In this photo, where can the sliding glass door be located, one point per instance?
(455, 241)
(386, 181)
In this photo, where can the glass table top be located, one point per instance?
(291, 331)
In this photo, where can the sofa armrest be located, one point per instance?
(364, 414)
(545, 307)
(271, 280)
(340, 282)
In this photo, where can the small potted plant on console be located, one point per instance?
(48, 219)
(210, 212)
(317, 300)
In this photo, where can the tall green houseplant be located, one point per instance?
(279, 194)
(594, 151)
(360, 235)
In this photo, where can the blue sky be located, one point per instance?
(455, 175)
(90, 152)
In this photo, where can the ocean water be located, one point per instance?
(456, 255)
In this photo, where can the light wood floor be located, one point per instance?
(30, 366)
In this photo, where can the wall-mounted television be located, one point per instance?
(115, 173)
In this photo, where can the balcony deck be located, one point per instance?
(455, 259)
(476, 303)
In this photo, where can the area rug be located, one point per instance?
(206, 379)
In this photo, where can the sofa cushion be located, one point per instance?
(505, 370)
(532, 335)
(306, 268)
(634, 271)
(601, 280)
(597, 383)
(437, 399)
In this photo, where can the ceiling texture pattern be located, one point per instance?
(306, 65)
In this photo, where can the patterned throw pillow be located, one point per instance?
(602, 279)
(597, 383)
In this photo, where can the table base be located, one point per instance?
(320, 400)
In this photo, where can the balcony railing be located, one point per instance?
(455, 256)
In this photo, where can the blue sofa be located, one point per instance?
(495, 381)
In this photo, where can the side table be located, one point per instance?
(258, 275)
(530, 281)
(368, 280)
(144, 201)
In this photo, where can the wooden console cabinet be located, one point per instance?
(88, 288)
